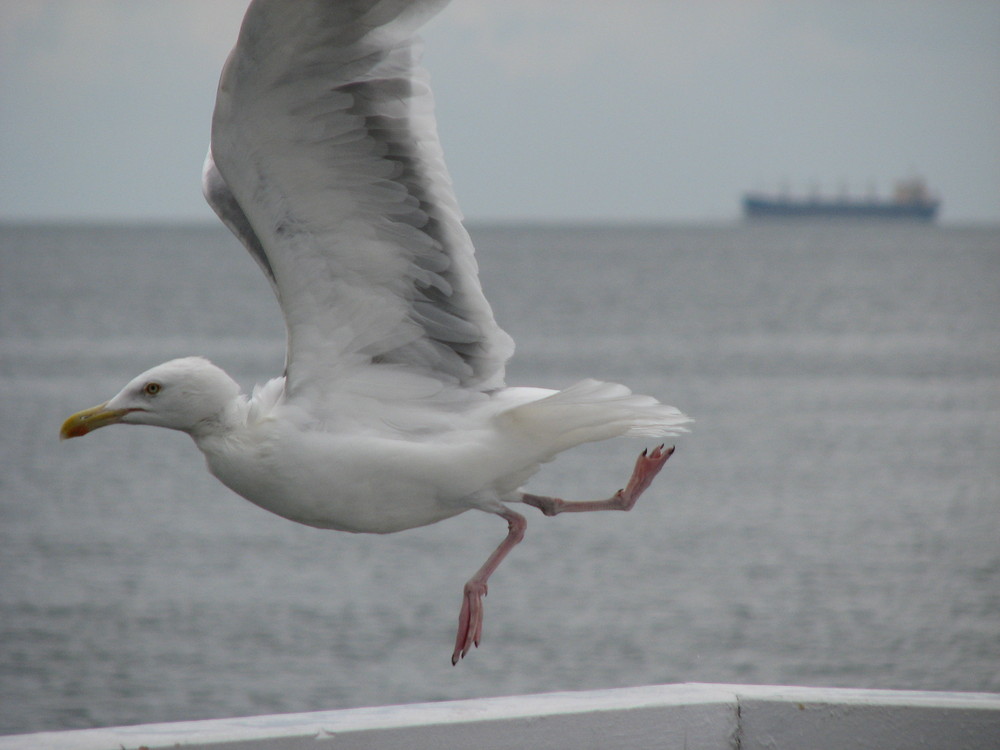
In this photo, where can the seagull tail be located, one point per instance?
(593, 410)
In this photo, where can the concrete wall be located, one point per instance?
(685, 717)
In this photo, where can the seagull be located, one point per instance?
(392, 412)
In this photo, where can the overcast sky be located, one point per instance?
(548, 109)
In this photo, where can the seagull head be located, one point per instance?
(189, 394)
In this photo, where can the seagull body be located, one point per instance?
(392, 412)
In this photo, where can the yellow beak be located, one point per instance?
(89, 420)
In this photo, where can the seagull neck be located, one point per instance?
(224, 423)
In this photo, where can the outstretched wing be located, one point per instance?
(325, 162)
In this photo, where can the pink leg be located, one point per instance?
(647, 466)
(470, 619)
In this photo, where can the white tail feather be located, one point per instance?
(593, 410)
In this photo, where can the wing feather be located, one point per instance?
(224, 203)
(325, 162)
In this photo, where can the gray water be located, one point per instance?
(833, 519)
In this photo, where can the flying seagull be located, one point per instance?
(392, 412)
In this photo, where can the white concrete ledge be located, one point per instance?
(688, 717)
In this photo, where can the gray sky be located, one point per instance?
(548, 109)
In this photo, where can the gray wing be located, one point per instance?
(325, 162)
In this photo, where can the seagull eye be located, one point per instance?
(152, 389)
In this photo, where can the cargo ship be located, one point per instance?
(910, 200)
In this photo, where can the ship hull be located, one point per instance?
(756, 207)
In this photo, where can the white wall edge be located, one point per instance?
(691, 716)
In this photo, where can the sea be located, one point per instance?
(832, 519)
